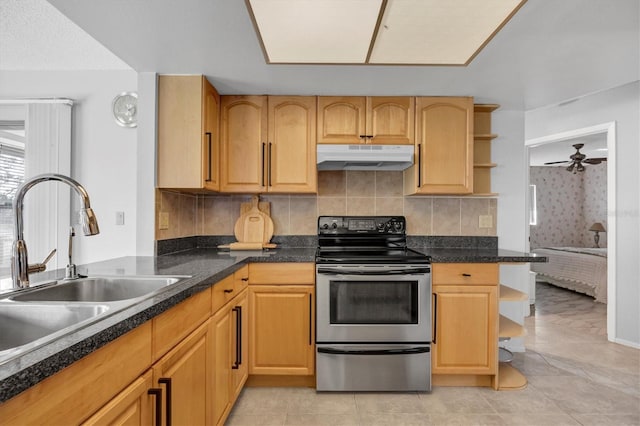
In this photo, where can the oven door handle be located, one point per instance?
(418, 271)
(406, 351)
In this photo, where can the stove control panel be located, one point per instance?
(359, 225)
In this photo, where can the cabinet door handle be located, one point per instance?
(310, 315)
(262, 176)
(228, 290)
(466, 275)
(210, 154)
(238, 310)
(435, 317)
(245, 279)
(419, 165)
(167, 381)
(157, 394)
(269, 168)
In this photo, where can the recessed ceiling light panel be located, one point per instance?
(447, 32)
(311, 31)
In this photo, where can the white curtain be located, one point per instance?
(47, 206)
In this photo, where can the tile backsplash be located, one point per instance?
(339, 193)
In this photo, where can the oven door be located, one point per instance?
(373, 303)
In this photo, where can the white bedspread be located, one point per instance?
(576, 268)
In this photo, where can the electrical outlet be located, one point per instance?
(163, 220)
(485, 221)
(119, 218)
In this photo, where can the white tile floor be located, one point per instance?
(576, 377)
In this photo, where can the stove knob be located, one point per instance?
(334, 225)
(397, 226)
(325, 226)
(380, 225)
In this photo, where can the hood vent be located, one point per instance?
(364, 157)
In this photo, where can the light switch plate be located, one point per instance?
(485, 221)
(163, 220)
(119, 218)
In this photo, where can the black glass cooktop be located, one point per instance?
(362, 255)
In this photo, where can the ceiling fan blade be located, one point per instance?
(557, 162)
(595, 160)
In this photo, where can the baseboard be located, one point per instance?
(628, 343)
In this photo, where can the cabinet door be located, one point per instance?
(281, 330)
(341, 119)
(465, 339)
(444, 146)
(132, 407)
(187, 133)
(243, 143)
(222, 362)
(211, 139)
(390, 120)
(184, 376)
(239, 343)
(292, 144)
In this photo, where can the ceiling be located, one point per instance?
(34, 35)
(549, 51)
(595, 146)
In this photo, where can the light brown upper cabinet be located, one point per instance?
(268, 144)
(188, 143)
(443, 146)
(375, 120)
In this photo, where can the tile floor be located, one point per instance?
(576, 377)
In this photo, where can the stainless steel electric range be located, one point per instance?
(373, 307)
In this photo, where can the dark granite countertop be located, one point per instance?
(206, 266)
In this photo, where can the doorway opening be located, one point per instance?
(605, 132)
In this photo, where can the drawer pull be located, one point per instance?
(228, 290)
(466, 275)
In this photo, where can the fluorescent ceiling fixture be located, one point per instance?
(421, 32)
(316, 31)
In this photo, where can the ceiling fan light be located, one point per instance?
(580, 167)
(571, 166)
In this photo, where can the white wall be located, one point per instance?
(103, 153)
(509, 181)
(622, 105)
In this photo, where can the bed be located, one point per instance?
(579, 269)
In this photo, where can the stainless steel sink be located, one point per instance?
(21, 323)
(97, 289)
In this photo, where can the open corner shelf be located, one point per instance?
(509, 378)
(482, 139)
(509, 328)
(508, 294)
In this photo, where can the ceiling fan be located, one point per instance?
(578, 159)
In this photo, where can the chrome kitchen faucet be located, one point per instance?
(20, 268)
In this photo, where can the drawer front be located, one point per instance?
(175, 324)
(282, 273)
(223, 291)
(466, 273)
(241, 279)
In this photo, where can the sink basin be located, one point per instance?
(21, 324)
(97, 289)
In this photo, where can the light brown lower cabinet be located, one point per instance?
(282, 324)
(188, 364)
(183, 375)
(282, 340)
(133, 406)
(230, 369)
(465, 321)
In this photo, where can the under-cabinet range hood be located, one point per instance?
(364, 157)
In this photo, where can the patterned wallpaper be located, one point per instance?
(567, 205)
